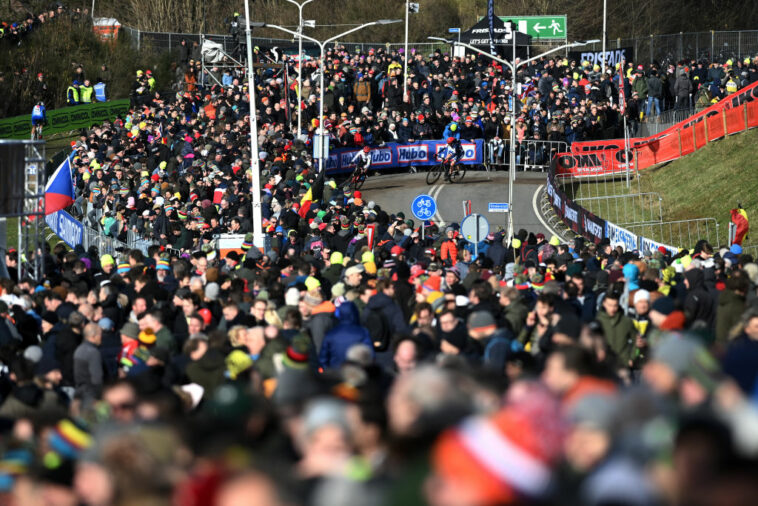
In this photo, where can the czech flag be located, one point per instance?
(59, 192)
(739, 218)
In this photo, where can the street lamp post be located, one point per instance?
(321, 46)
(513, 66)
(300, 65)
(254, 159)
(605, 10)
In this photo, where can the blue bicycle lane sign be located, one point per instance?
(423, 207)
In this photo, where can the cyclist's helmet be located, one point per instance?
(450, 140)
(366, 149)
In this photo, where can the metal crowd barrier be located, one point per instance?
(531, 154)
(627, 209)
(683, 233)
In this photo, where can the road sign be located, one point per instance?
(423, 207)
(318, 145)
(498, 207)
(540, 27)
(474, 228)
(453, 30)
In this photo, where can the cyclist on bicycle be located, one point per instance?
(452, 154)
(39, 118)
(362, 160)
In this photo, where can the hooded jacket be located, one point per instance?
(391, 310)
(698, 304)
(341, 337)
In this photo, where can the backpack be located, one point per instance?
(379, 328)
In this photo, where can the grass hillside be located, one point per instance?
(706, 184)
(709, 182)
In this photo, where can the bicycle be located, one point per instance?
(357, 179)
(37, 132)
(442, 168)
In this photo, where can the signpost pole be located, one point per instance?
(605, 2)
(476, 244)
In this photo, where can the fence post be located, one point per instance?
(744, 109)
(712, 35)
(681, 44)
(139, 40)
(705, 125)
(169, 42)
(739, 45)
(651, 47)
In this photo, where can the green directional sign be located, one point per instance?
(540, 27)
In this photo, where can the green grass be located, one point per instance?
(706, 184)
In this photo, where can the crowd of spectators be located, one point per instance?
(13, 33)
(324, 369)
(558, 99)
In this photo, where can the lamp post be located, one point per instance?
(605, 10)
(405, 53)
(513, 66)
(300, 66)
(254, 160)
(321, 46)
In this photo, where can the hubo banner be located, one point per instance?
(66, 227)
(65, 119)
(394, 155)
(612, 56)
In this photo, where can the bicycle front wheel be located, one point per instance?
(458, 173)
(434, 173)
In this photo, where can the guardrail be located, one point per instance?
(531, 155)
(594, 228)
(634, 208)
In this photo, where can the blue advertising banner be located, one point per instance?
(393, 155)
(649, 246)
(620, 236)
(66, 227)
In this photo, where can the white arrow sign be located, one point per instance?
(537, 27)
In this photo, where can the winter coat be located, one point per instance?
(654, 87)
(620, 334)
(515, 314)
(730, 309)
(208, 371)
(640, 86)
(341, 337)
(449, 252)
(31, 401)
(320, 322)
(362, 91)
(682, 86)
(88, 372)
(698, 304)
(391, 310)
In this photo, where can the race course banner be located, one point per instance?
(65, 119)
(612, 56)
(393, 155)
(736, 113)
(65, 226)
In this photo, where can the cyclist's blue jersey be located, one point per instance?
(454, 150)
(38, 112)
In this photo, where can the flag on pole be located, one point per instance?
(739, 218)
(491, 19)
(59, 192)
(622, 93)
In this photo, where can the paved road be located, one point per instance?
(395, 193)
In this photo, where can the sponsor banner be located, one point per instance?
(651, 246)
(612, 56)
(571, 213)
(65, 119)
(66, 227)
(393, 155)
(620, 236)
(593, 227)
(735, 113)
